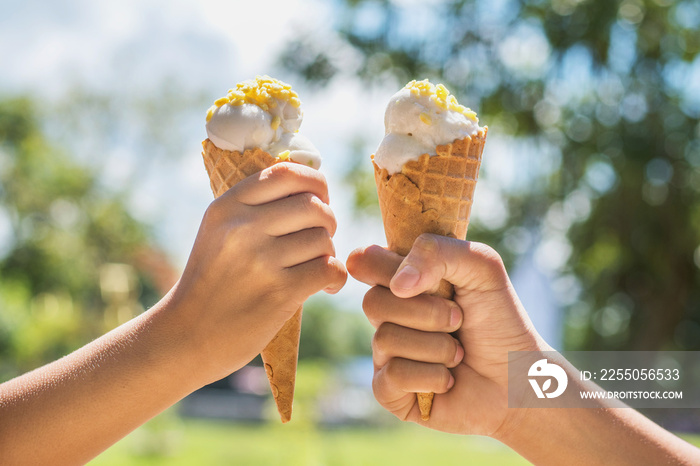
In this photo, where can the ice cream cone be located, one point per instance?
(430, 195)
(280, 359)
(225, 169)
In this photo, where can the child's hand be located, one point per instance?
(262, 249)
(413, 351)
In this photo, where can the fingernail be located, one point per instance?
(459, 355)
(455, 317)
(406, 278)
(451, 382)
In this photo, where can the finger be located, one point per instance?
(373, 265)
(393, 341)
(423, 312)
(467, 265)
(303, 246)
(277, 182)
(400, 376)
(295, 213)
(322, 273)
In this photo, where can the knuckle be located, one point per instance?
(385, 338)
(392, 370)
(313, 206)
(279, 171)
(370, 304)
(319, 235)
(332, 221)
(324, 237)
(337, 274)
(490, 261)
(427, 244)
(425, 250)
(443, 379)
(377, 350)
(306, 202)
(378, 381)
(488, 255)
(239, 230)
(382, 336)
(448, 348)
(215, 211)
(437, 315)
(354, 262)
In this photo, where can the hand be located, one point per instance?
(413, 349)
(262, 249)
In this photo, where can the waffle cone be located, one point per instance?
(225, 169)
(430, 195)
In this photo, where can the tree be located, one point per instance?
(598, 105)
(331, 333)
(60, 232)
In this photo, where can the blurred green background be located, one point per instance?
(590, 186)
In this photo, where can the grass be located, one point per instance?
(194, 442)
(173, 441)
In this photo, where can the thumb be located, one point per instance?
(467, 265)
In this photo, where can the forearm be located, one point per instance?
(592, 436)
(76, 407)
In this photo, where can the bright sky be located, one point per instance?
(47, 47)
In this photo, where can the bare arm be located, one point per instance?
(72, 409)
(586, 436)
(262, 249)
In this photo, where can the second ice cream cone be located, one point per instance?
(430, 195)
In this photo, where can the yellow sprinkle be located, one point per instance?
(275, 123)
(425, 118)
(210, 112)
(283, 155)
(263, 91)
(221, 101)
(440, 96)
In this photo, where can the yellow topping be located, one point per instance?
(425, 118)
(283, 155)
(221, 101)
(441, 96)
(275, 123)
(210, 112)
(263, 91)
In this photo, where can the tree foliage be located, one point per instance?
(332, 333)
(597, 104)
(58, 231)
